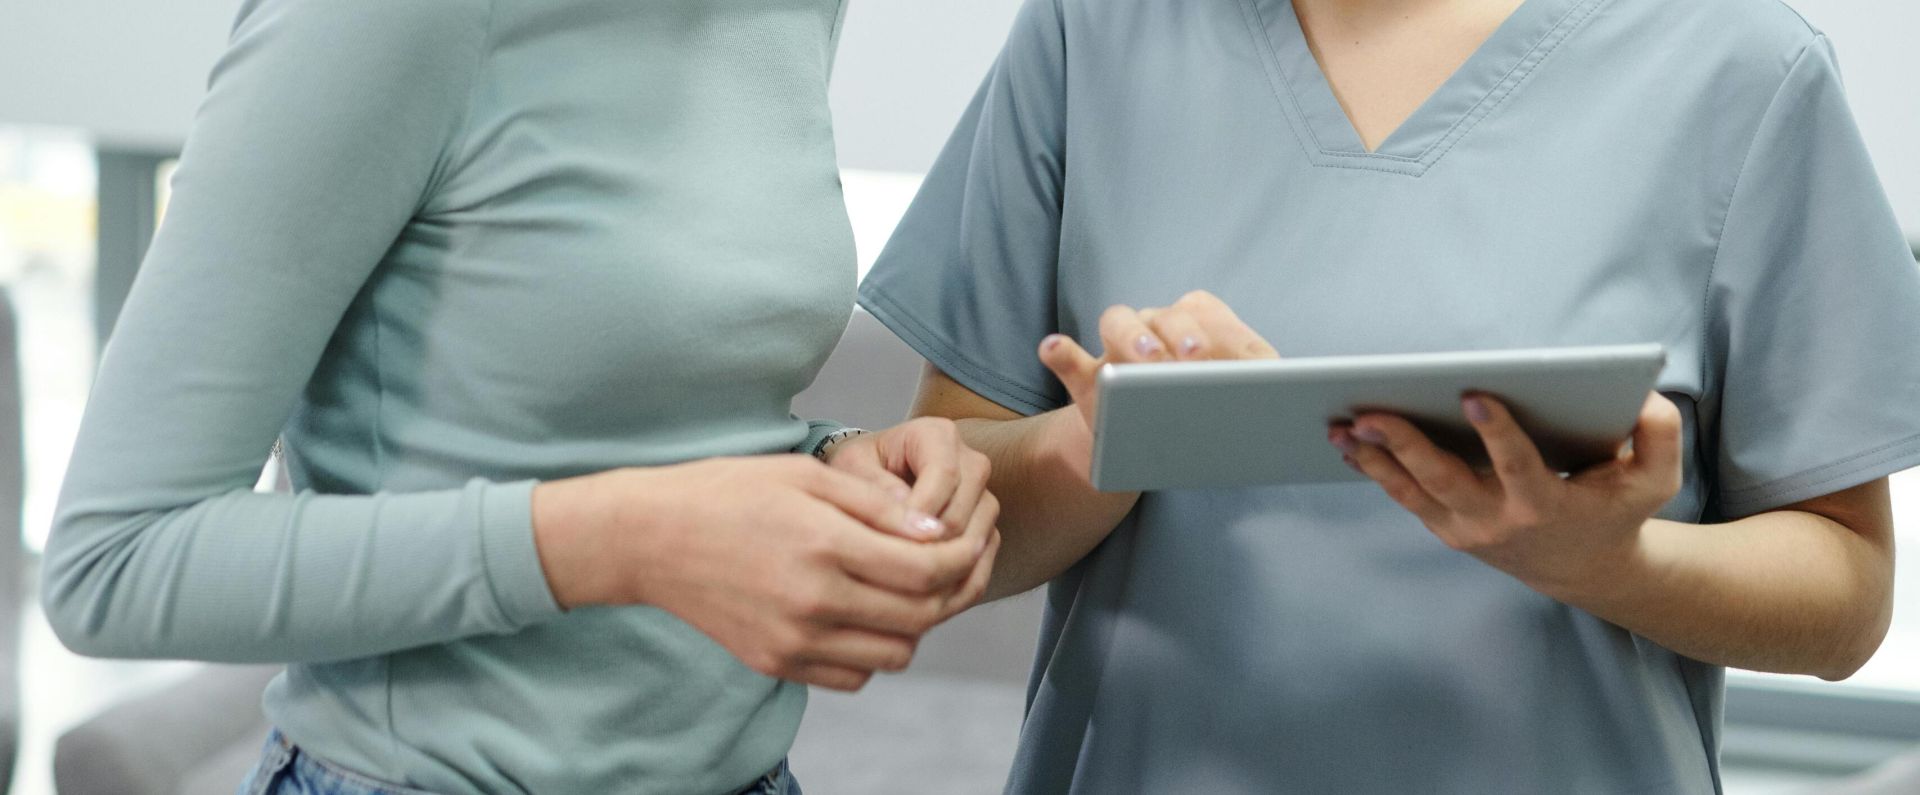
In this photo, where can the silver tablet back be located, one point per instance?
(1216, 424)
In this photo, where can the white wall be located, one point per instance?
(907, 68)
(129, 71)
(906, 71)
(1879, 46)
(132, 71)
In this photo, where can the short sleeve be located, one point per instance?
(968, 279)
(1813, 310)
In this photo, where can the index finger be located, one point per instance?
(1230, 336)
(872, 503)
(907, 566)
(1516, 460)
(933, 457)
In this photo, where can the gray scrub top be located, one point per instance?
(1601, 171)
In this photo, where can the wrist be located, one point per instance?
(1066, 442)
(570, 518)
(1607, 575)
(836, 441)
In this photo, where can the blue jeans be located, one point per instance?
(286, 770)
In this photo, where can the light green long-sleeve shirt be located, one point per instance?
(450, 248)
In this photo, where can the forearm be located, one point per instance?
(245, 577)
(1783, 592)
(1051, 516)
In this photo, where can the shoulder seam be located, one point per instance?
(458, 134)
(1802, 17)
(1720, 236)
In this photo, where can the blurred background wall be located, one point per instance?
(96, 96)
(131, 71)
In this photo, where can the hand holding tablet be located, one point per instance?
(1188, 396)
(1212, 424)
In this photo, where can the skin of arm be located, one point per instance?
(1051, 516)
(1803, 589)
(1798, 590)
(1806, 588)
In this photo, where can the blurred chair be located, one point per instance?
(1897, 776)
(947, 726)
(197, 737)
(12, 557)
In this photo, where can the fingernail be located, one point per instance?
(1147, 345)
(1052, 341)
(1477, 410)
(1344, 442)
(1189, 346)
(1369, 435)
(920, 525)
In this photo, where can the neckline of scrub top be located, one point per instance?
(1481, 84)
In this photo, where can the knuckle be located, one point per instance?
(765, 663)
(939, 470)
(928, 616)
(1197, 298)
(990, 505)
(1512, 467)
(822, 548)
(899, 658)
(924, 576)
(1446, 480)
(979, 463)
(1518, 517)
(809, 602)
(1402, 492)
(778, 659)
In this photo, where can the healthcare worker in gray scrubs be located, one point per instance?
(1377, 176)
(528, 287)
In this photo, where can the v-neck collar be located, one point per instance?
(1481, 84)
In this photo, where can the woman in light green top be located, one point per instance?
(527, 288)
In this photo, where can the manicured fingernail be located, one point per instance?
(920, 525)
(1476, 410)
(1052, 341)
(1343, 441)
(1189, 346)
(1369, 435)
(1147, 345)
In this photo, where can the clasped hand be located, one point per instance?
(817, 573)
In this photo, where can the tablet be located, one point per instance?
(1215, 424)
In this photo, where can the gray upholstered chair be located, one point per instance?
(12, 557)
(947, 726)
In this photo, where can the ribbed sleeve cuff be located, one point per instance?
(513, 562)
(817, 432)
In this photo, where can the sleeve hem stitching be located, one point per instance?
(1816, 477)
(937, 350)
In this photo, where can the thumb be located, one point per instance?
(862, 458)
(1657, 448)
(1077, 370)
